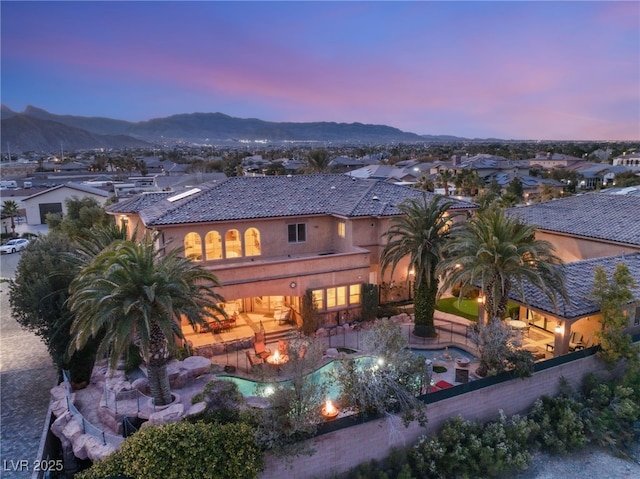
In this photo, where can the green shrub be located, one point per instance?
(561, 426)
(185, 451)
(469, 449)
(612, 412)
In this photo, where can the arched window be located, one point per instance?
(213, 245)
(193, 247)
(252, 242)
(232, 244)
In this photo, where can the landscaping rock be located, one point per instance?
(171, 414)
(332, 353)
(196, 366)
(197, 408)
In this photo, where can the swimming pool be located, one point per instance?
(247, 387)
(439, 353)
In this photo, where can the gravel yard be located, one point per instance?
(590, 462)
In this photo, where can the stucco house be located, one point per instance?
(575, 321)
(586, 226)
(52, 200)
(587, 230)
(270, 239)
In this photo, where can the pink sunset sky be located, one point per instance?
(511, 70)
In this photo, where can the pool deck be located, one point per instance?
(452, 333)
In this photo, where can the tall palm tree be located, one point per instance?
(10, 208)
(443, 179)
(498, 254)
(419, 234)
(133, 293)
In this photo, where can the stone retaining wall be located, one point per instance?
(342, 450)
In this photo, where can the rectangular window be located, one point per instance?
(297, 233)
(318, 298)
(354, 294)
(342, 229)
(336, 297)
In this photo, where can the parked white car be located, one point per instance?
(14, 245)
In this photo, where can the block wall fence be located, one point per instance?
(343, 449)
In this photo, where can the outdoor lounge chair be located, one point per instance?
(261, 350)
(575, 342)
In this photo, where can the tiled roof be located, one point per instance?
(579, 278)
(139, 202)
(592, 215)
(280, 196)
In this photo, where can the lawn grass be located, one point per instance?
(466, 308)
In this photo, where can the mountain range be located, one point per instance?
(35, 129)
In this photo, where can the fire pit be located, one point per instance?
(462, 361)
(277, 359)
(329, 411)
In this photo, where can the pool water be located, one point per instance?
(439, 353)
(248, 387)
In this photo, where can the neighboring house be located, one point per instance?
(486, 165)
(551, 161)
(52, 200)
(270, 239)
(532, 186)
(631, 161)
(587, 230)
(575, 321)
(586, 226)
(595, 175)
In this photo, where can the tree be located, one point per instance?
(613, 295)
(419, 234)
(296, 404)
(425, 183)
(134, 293)
(318, 160)
(443, 179)
(10, 209)
(82, 215)
(498, 254)
(38, 295)
(516, 188)
(388, 379)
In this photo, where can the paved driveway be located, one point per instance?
(26, 376)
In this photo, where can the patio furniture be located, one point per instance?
(261, 350)
(254, 360)
(575, 343)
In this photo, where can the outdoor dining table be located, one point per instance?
(516, 324)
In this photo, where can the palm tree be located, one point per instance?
(318, 160)
(443, 179)
(420, 234)
(498, 254)
(10, 208)
(134, 293)
(425, 184)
